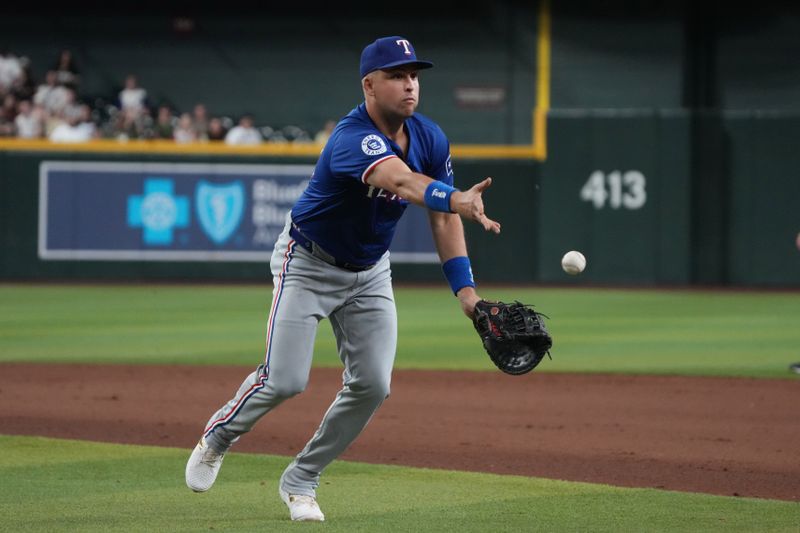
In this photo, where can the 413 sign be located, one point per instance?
(626, 190)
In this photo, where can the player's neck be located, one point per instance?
(391, 126)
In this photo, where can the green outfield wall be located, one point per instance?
(616, 187)
(672, 197)
(763, 241)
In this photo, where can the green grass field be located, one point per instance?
(594, 330)
(61, 485)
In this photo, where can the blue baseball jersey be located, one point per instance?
(350, 219)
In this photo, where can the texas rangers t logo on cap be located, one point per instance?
(405, 44)
(389, 52)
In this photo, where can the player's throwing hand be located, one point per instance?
(469, 204)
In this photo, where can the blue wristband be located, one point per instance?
(437, 196)
(458, 273)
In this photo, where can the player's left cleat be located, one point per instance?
(203, 467)
(302, 507)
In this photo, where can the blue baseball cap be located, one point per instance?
(388, 52)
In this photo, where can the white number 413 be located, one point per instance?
(619, 189)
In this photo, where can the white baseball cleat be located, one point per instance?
(302, 507)
(203, 467)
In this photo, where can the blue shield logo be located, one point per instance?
(219, 208)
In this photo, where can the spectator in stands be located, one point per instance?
(244, 132)
(50, 95)
(7, 127)
(77, 127)
(132, 98)
(200, 121)
(184, 131)
(8, 112)
(60, 105)
(30, 120)
(10, 70)
(43, 90)
(8, 108)
(24, 86)
(216, 129)
(165, 123)
(66, 68)
(130, 125)
(71, 105)
(322, 135)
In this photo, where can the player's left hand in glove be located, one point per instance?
(513, 334)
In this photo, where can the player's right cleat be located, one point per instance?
(203, 467)
(302, 507)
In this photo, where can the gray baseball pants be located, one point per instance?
(361, 309)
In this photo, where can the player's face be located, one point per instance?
(397, 90)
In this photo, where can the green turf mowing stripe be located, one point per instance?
(722, 333)
(64, 485)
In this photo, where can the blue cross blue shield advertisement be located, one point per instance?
(182, 212)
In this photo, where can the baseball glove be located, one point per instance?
(513, 334)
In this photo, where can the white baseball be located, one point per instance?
(573, 262)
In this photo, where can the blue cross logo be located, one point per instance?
(158, 211)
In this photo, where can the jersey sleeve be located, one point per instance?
(356, 153)
(441, 164)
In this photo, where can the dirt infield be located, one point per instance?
(715, 435)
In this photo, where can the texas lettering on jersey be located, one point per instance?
(383, 193)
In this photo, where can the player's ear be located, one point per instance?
(366, 84)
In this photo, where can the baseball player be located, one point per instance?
(332, 261)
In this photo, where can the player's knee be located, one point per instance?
(375, 391)
(288, 388)
(381, 392)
